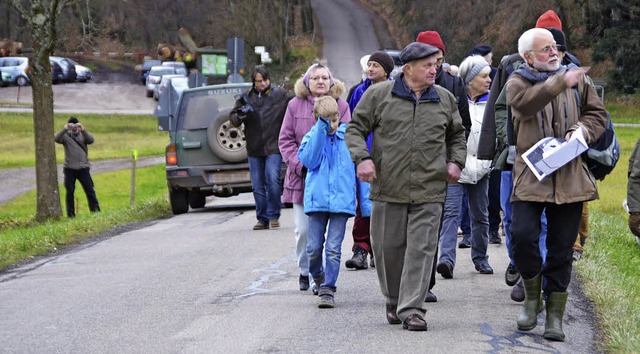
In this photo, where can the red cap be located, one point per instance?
(431, 38)
(549, 19)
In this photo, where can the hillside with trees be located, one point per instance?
(602, 33)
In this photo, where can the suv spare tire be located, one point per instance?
(225, 140)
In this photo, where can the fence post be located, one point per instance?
(132, 197)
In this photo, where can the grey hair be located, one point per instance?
(525, 42)
(471, 66)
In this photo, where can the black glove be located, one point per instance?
(634, 223)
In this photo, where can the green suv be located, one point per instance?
(206, 155)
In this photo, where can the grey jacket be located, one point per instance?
(76, 152)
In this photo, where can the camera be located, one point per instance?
(245, 107)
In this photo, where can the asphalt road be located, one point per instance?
(204, 282)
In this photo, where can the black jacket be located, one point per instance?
(262, 125)
(455, 85)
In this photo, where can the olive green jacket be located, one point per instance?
(633, 186)
(413, 140)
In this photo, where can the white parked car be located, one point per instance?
(84, 74)
(155, 75)
(164, 82)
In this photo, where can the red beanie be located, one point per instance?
(549, 19)
(431, 38)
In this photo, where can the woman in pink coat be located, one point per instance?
(298, 120)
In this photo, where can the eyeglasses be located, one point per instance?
(316, 78)
(546, 49)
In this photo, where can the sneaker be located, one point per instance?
(274, 223)
(304, 282)
(359, 259)
(517, 293)
(326, 299)
(494, 238)
(511, 275)
(431, 297)
(261, 226)
(576, 255)
(465, 242)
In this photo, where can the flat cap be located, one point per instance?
(482, 50)
(416, 50)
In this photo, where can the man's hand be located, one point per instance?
(453, 172)
(79, 126)
(574, 76)
(366, 171)
(634, 223)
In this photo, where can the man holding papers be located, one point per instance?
(543, 104)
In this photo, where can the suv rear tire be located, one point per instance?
(197, 200)
(225, 140)
(179, 199)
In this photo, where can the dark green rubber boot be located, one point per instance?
(556, 303)
(532, 305)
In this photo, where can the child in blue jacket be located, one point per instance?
(329, 194)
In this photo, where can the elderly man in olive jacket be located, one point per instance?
(418, 146)
(542, 97)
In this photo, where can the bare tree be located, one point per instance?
(41, 16)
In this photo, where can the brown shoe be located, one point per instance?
(274, 223)
(260, 226)
(392, 316)
(415, 322)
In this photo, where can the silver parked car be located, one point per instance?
(17, 68)
(154, 77)
(164, 82)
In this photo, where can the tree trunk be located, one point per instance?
(41, 16)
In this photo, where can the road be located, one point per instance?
(204, 282)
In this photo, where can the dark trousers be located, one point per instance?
(494, 200)
(82, 175)
(563, 221)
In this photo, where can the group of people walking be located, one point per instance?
(401, 153)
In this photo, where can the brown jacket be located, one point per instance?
(549, 109)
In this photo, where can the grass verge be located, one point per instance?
(21, 238)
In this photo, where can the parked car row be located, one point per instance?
(157, 73)
(15, 70)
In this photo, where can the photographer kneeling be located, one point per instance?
(262, 110)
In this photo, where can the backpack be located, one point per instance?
(604, 153)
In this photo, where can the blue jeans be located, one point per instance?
(449, 230)
(479, 214)
(506, 186)
(332, 247)
(267, 189)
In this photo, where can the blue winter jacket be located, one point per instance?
(330, 185)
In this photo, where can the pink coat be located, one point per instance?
(298, 120)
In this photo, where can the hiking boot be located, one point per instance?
(326, 298)
(445, 269)
(316, 284)
(517, 293)
(511, 275)
(274, 223)
(261, 226)
(431, 297)
(359, 259)
(465, 242)
(304, 282)
(494, 238)
(576, 255)
(372, 263)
